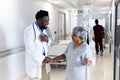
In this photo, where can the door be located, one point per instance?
(61, 27)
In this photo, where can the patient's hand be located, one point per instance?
(86, 61)
(47, 60)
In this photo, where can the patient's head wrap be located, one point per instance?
(80, 32)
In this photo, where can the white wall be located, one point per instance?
(73, 19)
(16, 15)
(8, 24)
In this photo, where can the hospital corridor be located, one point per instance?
(75, 37)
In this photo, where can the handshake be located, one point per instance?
(48, 59)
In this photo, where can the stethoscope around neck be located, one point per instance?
(35, 31)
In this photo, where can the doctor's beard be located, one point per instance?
(44, 27)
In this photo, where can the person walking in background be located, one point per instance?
(98, 37)
(78, 56)
(37, 37)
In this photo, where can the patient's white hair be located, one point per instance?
(80, 31)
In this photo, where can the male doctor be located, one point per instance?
(37, 37)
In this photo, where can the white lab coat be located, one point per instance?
(34, 50)
(76, 69)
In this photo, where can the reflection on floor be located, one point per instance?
(12, 67)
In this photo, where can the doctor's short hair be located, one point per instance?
(41, 14)
(80, 32)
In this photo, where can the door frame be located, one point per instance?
(117, 2)
(62, 28)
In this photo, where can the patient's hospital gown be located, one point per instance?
(76, 69)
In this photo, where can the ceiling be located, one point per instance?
(97, 6)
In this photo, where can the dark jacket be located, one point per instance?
(98, 31)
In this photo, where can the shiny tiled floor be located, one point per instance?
(12, 67)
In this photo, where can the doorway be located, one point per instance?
(62, 26)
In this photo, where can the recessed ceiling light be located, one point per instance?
(53, 1)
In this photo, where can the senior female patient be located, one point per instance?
(78, 56)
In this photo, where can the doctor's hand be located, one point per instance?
(43, 38)
(47, 60)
